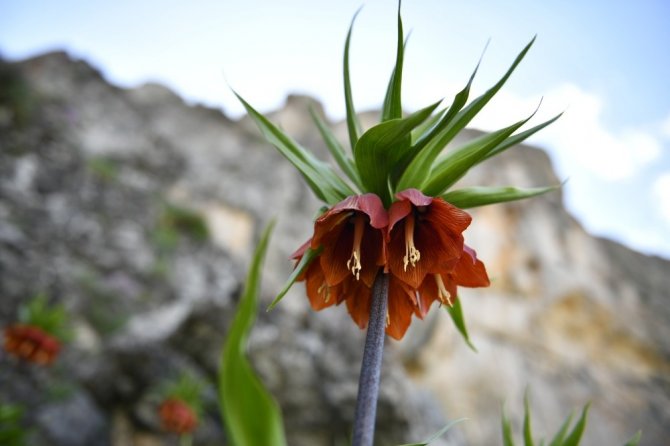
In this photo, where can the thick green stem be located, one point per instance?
(368, 383)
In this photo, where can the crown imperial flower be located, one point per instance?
(31, 343)
(395, 211)
(177, 416)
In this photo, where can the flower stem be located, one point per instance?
(368, 383)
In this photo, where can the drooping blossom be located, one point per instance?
(31, 343)
(177, 416)
(424, 236)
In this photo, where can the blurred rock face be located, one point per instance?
(140, 213)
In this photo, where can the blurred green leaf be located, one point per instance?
(250, 414)
(456, 313)
(336, 150)
(471, 197)
(562, 432)
(380, 148)
(527, 429)
(321, 178)
(508, 439)
(635, 439)
(576, 434)
(310, 254)
(392, 107)
(437, 434)
(353, 125)
(12, 432)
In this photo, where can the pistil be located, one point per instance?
(412, 255)
(354, 262)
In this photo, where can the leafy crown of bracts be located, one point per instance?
(401, 152)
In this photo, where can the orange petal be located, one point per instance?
(400, 308)
(358, 297)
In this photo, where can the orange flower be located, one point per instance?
(424, 236)
(177, 416)
(422, 249)
(469, 272)
(31, 343)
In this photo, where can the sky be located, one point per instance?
(603, 62)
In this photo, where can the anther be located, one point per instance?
(412, 255)
(354, 262)
(442, 293)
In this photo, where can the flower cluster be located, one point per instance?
(38, 335)
(418, 241)
(31, 343)
(177, 416)
(394, 211)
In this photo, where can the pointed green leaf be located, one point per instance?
(392, 108)
(520, 137)
(470, 197)
(527, 430)
(437, 434)
(321, 178)
(426, 126)
(455, 120)
(379, 149)
(562, 432)
(421, 157)
(576, 434)
(310, 254)
(635, 439)
(508, 438)
(353, 125)
(456, 313)
(457, 162)
(250, 414)
(336, 150)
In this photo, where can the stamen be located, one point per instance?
(412, 255)
(324, 290)
(442, 293)
(388, 318)
(354, 262)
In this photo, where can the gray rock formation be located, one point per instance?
(92, 182)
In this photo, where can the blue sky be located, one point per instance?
(604, 62)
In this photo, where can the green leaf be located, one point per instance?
(310, 254)
(336, 150)
(392, 108)
(635, 439)
(379, 150)
(422, 156)
(426, 126)
(437, 434)
(454, 121)
(527, 430)
(520, 137)
(470, 197)
(456, 313)
(576, 434)
(321, 178)
(457, 162)
(562, 432)
(353, 125)
(249, 413)
(508, 439)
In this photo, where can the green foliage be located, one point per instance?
(470, 197)
(250, 415)
(15, 94)
(565, 436)
(310, 254)
(456, 313)
(104, 167)
(437, 434)
(52, 319)
(174, 222)
(186, 388)
(12, 432)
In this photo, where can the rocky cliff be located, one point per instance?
(93, 181)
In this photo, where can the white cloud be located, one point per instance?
(580, 137)
(661, 191)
